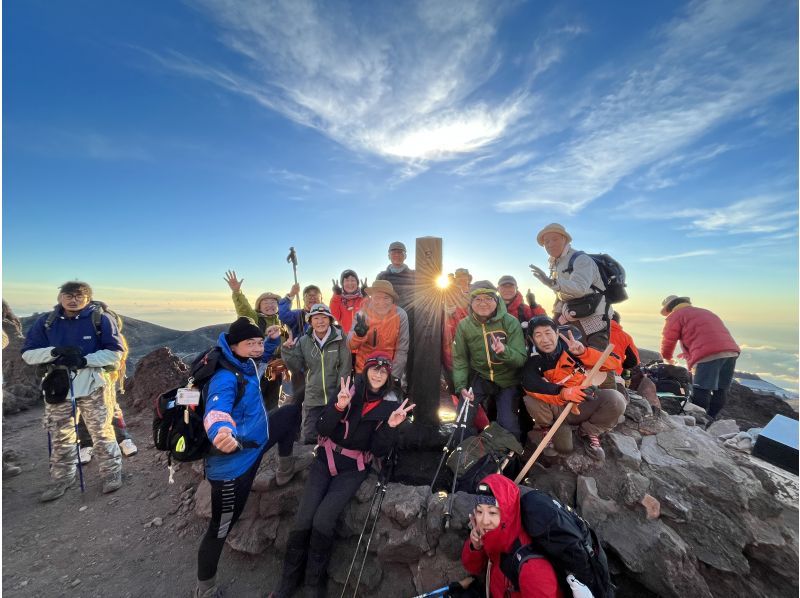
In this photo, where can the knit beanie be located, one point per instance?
(241, 330)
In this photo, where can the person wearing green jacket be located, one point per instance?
(490, 347)
(264, 315)
(322, 353)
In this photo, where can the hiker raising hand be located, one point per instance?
(399, 415)
(573, 346)
(234, 284)
(343, 398)
(497, 345)
(273, 332)
(290, 342)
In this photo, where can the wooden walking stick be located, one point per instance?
(292, 259)
(563, 416)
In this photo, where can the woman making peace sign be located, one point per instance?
(359, 425)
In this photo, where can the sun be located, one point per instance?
(443, 281)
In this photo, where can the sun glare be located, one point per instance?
(443, 282)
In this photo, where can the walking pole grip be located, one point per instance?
(567, 409)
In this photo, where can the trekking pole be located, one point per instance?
(292, 259)
(380, 491)
(390, 462)
(448, 512)
(563, 416)
(464, 583)
(75, 422)
(447, 448)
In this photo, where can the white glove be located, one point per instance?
(578, 589)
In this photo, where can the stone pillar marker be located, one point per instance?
(426, 335)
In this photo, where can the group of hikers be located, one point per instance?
(337, 376)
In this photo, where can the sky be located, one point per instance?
(149, 146)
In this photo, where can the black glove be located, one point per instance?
(364, 286)
(71, 361)
(531, 299)
(361, 327)
(66, 350)
(337, 290)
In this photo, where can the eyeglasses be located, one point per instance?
(76, 296)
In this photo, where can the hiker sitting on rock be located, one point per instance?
(490, 346)
(323, 355)
(69, 345)
(707, 346)
(347, 299)
(381, 326)
(240, 434)
(552, 378)
(359, 425)
(496, 524)
(578, 286)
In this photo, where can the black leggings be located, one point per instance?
(228, 497)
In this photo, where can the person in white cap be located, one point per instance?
(578, 286)
(322, 353)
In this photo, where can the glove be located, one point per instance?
(66, 350)
(337, 290)
(573, 394)
(72, 362)
(361, 327)
(531, 298)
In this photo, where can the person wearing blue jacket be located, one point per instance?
(240, 434)
(78, 359)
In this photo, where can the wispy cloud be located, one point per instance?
(714, 63)
(679, 256)
(757, 347)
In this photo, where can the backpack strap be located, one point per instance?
(51, 318)
(571, 267)
(241, 382)
(511, 563)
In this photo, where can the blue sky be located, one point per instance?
(149, 146)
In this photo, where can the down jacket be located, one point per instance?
(700, 332)
(324, 366)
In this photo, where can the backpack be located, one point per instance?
(671, 378)
(97, 317)
(494, 439)
(488, 464)
(179, 429)
(612, 273)
(561, 536)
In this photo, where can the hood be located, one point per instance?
(513, 306)
(246, 367)
(86, 312)
(502, 538)
(335, 335)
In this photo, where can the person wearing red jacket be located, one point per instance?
(707, 346)
(346, 300)
(496, 526)
(553, 376)
(515, 305)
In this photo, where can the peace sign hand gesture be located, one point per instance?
(230, 278)
(399, 415)
(273, 332)
(573, 346)
(343, 398)
(290, 342)
(497, 345)
(476, 533)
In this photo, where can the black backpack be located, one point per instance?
(671, 378)
(179, 429)
(561, 536)
(612, 273)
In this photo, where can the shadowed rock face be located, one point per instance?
(20, 383)
(156, 373)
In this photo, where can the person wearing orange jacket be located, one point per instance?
(553, 376)
(496, 526)
(623, 346)
(347, 299)
(381, 326)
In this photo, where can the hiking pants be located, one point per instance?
(309, 428)
(228, 497)
(325, 497)
(596, 417)
(118, 421)
(97, 409)
(506, 400)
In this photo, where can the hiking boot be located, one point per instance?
(112, 482)
(128, 448)
(10, 470)
(212, 592)
(56, 489)
(86, 454)
(290, 465)
(591, 446)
